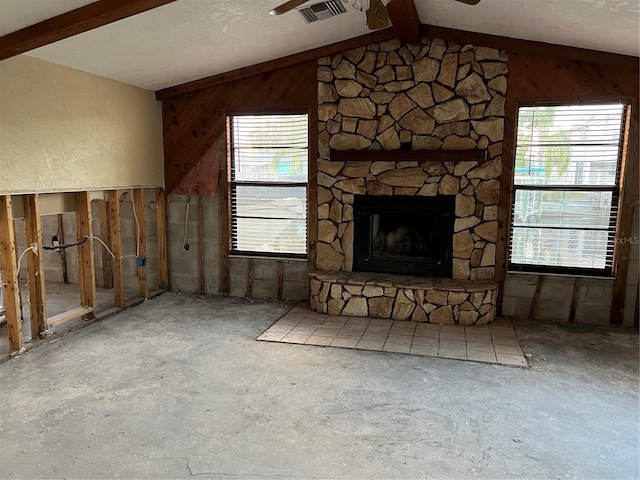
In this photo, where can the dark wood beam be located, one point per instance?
(72, 23)
(405, 20)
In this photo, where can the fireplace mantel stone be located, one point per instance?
(402, 297)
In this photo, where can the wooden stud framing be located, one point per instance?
(37, 295)
(225, 226)
(280, 279)
(161, 222)
(10, 273)
(116, 247)
(249, 290)
(138, 200)
(105, 234)
(536, 298)
(201, 282)
(70, 315)
(63, 254)
(574, 300)
(86, 264)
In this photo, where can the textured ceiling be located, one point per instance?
(191, 39)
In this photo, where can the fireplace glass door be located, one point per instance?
(404, 235)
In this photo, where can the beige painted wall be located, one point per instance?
(63, 130)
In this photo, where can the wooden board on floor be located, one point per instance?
(64, 317)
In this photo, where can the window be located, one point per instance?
(566, 187)
(268, 182)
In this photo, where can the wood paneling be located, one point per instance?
(553, 78)
(193, 122)
(71, 23)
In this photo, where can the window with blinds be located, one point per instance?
(566, 188)
(268, 184)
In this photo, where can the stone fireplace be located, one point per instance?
(416, 128)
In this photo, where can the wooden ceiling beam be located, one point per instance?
(72, 23)
(405, 20)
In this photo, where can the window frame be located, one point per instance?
(608, 271)
(229, 115)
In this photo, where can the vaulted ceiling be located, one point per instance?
(190, 39)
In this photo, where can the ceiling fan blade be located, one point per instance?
(287, 6)
(469, 2)
(377, 16)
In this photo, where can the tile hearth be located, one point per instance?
(494, 343)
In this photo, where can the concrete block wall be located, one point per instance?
(184, 263)
(594, 300)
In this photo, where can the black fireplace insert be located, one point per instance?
(404, 235)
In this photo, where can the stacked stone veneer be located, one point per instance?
(443, 301)
(432, 96)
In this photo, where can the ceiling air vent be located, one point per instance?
(320, 11)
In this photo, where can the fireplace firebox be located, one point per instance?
(404, 235)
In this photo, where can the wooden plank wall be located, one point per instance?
(548, 78)
(194, 121)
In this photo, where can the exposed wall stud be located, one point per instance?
(536, 298)
(10, 273)
(37, 295)
(86, 264)
(138, 200)
(201, 282)
(63, 254)
(574, 300)
(105, 236)
(161, 222)
(280, 278)
(249, 290)
(113, 201)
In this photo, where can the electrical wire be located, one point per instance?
(109, 250)
(33, 248)
(186, 224)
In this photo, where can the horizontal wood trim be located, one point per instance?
(474, 155)
(531, 47)
(264, 67)
(68, 315)
(72, 23)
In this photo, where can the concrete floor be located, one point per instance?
(178, 387)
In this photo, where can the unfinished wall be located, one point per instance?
(66, 130)
(194, 143)
(184, 265)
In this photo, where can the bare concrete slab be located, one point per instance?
(178, 387)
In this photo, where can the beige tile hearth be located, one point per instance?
(493, 343)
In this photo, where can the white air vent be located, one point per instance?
(320, 11)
